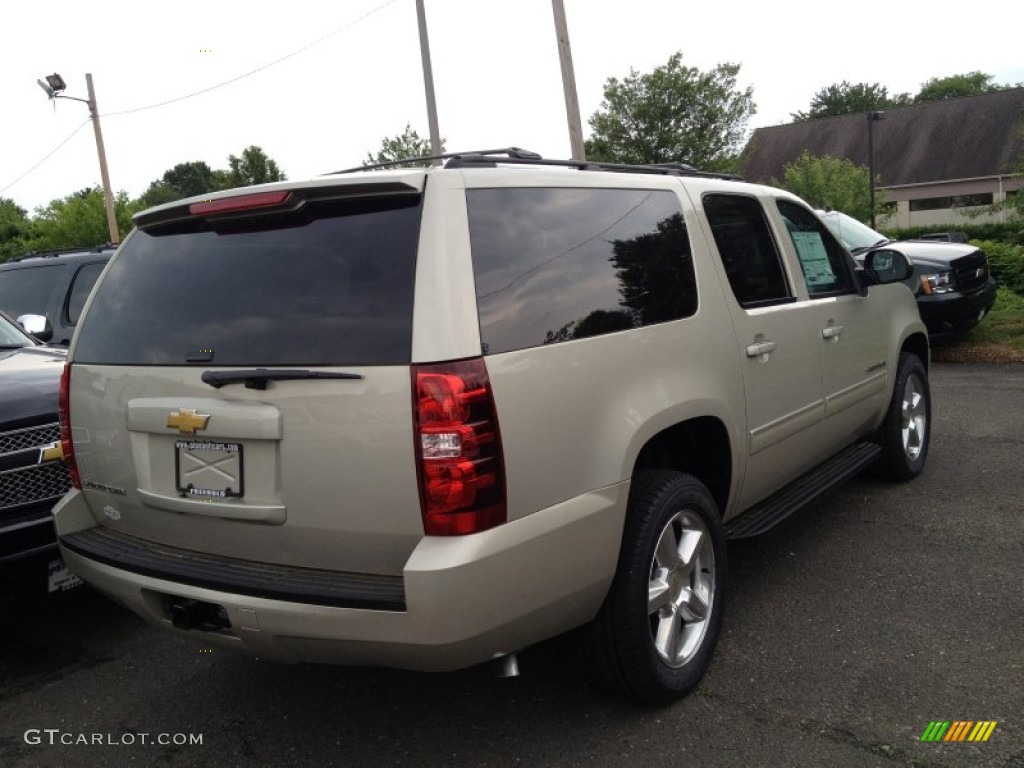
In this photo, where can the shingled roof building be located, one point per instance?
(934, 159)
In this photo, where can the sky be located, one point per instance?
(348, 73)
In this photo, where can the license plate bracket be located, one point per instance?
(209, 470)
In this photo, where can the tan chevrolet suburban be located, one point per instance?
(426, 418)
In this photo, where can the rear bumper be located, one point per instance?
(949, 314)
(466, 599)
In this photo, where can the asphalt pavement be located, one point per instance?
(879, 610)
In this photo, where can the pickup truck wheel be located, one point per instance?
(907, 428)
(655, 634)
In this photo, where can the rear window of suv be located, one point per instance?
(557, 264)
(331, 285)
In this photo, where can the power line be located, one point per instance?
(244, 75)
(48, 156)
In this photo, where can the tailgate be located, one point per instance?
(310, 473)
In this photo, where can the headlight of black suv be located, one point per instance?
(937, 282)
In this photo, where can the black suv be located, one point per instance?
(32, 475)
(952, 282)
(51, 284)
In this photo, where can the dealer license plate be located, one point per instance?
(209, 470)
(59, 578)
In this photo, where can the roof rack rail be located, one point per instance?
(509, 152)
(490, 158)
(53, 252)
(470, 160)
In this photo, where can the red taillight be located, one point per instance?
(239, 203)
(64, 415)
(458, 448)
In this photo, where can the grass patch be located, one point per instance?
(1004, 324)
(999, 337)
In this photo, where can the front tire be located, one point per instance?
(906, 431)
(655, 634)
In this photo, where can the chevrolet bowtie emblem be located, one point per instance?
(51, 452)
(186, 421)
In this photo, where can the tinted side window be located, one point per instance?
(85, 279)
(27, 290)
(747, 248)
(329, 284)
(558, 264)
(822, 259)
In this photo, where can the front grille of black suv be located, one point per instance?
(34, 483)
(43, 482)
(971, 272)
(33, 437)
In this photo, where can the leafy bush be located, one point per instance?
(1006, 262)
(1006, 232)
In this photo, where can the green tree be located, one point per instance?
(253, 167)
(406, 145)
(671, 114)
(80, 220)
(849, 98)
(14, 229)
(970, 84)
(183, 180)
(831, 183)
(195, 178)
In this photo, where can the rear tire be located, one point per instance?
(906, 432)
(655, 634)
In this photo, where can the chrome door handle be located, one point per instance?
(761, 349)
(832, 332)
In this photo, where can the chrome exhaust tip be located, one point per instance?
(508, 665)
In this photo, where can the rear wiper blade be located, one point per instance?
(258, 378)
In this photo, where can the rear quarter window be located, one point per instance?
(557, 264)
(329, 285)
(27, 290)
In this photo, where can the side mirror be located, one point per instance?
(885, 266)
(36, 325)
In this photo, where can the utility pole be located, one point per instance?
(108, 195)
(572, 104)
(428, 82)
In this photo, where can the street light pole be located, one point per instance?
(108, 195)
(54, 86)
(873, 117)
(572, 104)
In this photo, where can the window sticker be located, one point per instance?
(814, 258)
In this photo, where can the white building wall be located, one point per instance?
(902, 196)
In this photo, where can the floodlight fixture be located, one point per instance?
(53, 85)
(56, 82)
